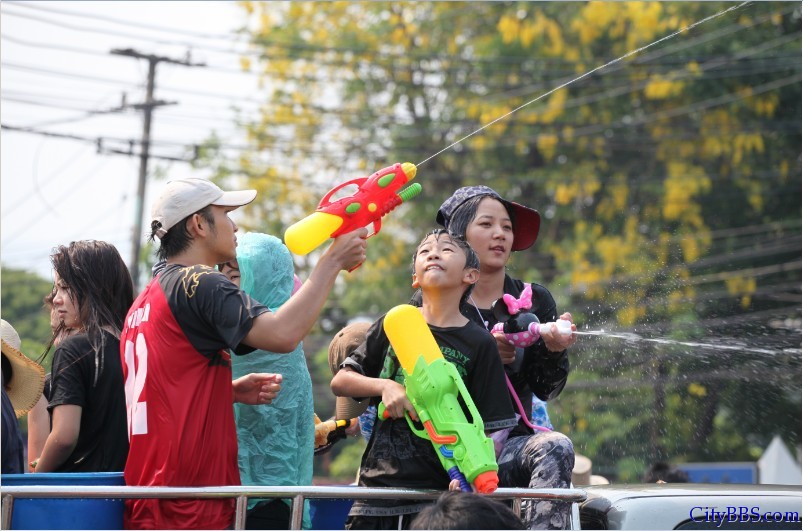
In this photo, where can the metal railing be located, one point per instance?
(242, 493)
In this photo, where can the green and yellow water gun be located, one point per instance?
(444, 407)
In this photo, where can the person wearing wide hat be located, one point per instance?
(23, 381)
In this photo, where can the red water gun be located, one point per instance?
(376, 196)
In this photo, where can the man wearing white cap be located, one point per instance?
(175, 346)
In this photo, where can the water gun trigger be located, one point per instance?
(374, 228)
(382, 413)
(377, 226)
(415, 425)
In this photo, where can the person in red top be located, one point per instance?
(176, 364)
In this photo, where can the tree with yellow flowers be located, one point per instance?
(668, 183)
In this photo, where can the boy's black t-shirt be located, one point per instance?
(396, 457)
(103, 437)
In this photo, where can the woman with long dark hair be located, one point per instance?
(86, 401)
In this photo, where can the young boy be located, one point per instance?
(445, 268)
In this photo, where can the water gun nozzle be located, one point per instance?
(486, 482)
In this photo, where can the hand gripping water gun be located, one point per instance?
(328, 432)
(377, 195)
(521, 328)
(442, 402)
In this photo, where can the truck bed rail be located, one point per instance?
(242, 493)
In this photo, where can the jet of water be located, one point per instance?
(633, 337)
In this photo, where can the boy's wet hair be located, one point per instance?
(472, 260)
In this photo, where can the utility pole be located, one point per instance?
(147, 109)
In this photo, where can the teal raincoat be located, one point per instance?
(276, 440)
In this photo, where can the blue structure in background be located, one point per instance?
(721, 472)
(66, 513)
(329, 513)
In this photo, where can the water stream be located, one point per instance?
(633, 337)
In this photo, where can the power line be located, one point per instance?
(224, 96)
(502, 62)
(676, 111)
(791, 245)
(626, 88)
(127, 22)
(24, 227)
(98, 79)
(765, 64)
(115, 33)
(101, 142)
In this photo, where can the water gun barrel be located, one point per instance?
(376, 196)
(564, 327)
(305, 235)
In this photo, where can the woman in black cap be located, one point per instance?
(531, 456)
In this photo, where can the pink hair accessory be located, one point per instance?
(524, 302)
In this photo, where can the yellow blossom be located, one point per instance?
(565, 193)
(508, 27)
(698, 390)
(547, 144)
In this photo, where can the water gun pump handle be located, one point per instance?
(326, 199)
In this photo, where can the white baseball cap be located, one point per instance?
(183, 197)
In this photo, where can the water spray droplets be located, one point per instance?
(632, 337)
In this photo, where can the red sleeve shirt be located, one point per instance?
(177, 374)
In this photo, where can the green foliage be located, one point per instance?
(22, 294)
(318, 364)
(344, 467)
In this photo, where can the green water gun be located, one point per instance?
(444, 407)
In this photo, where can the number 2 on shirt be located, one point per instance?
(136, 372)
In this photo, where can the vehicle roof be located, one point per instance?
(668, 505)
(635, 490)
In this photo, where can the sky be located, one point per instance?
(58, 76)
